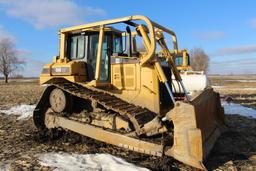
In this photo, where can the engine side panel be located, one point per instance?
(136, 84)
(73, 71)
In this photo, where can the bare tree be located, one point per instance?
(9, 62)
(199, 60)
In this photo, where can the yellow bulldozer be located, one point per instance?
(102, 87)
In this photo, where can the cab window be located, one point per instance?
(117, 44)
(179, 61)
(78, 46)
(92, 57)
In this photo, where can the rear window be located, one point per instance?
(179, 60)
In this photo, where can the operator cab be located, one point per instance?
(84, 47)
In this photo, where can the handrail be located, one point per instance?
(174, 37)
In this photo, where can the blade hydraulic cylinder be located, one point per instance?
(171, 63)
(163, 78)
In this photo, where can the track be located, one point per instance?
(136, 114)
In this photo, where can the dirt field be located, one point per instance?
(241, 88)
(20, 141)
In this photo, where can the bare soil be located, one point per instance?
(234, 84)
(21, 142)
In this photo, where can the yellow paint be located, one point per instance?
(136, 84)
(99, 54)
(62, 45)
(76, 72)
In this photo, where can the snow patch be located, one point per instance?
(23, 111)
(5, 165)
(81, 162)
(233, 108)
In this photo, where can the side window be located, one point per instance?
(73, 45)
(105, 61)
(80, 47)
(92, 57)
(117, 44)
(77, 46)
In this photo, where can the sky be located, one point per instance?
(226, 30)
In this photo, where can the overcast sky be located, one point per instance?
(226, 30)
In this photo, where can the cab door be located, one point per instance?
(105, 60)
(83, 47)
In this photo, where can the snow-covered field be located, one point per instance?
(22, 111)
(81, 162)
(62, 161)
(233, 108)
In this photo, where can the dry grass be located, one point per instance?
(237, 85)
(19, 92)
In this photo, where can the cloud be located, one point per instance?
(21, 52)
(32, 67)
(210, 35)
(49, 13)
(6, 35)
(235, 50)
(238, 66)
(243, 61)
(253, 23)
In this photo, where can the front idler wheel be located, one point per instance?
(60, 101)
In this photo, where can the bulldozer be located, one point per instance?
(102, 87)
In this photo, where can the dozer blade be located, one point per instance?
(197, 125)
